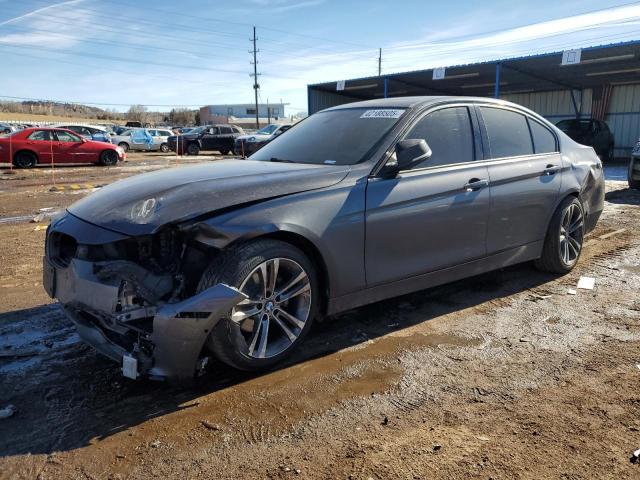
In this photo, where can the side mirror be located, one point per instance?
(408, 152)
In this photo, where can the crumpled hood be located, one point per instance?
(142, 204)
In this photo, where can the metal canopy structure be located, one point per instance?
(593, 68)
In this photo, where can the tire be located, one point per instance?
(25, 160)
(124, 146)
(193, 149)
(108, 158)
(6, 130)
(239, 342)
(564, 239)
(164, 148)
(224, 152)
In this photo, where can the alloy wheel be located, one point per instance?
(571, 234)
(277, 308)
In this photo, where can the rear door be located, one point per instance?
(525, 174)
(226, 138)
(432, 216)
(41, 142)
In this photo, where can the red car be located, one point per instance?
(32, 146)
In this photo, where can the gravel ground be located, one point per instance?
(505, 375)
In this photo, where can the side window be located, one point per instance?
(508, 133)
(66, 136)
(543, 140)
(225, 130)
(448, 132)
(213, 131)
(40, 135)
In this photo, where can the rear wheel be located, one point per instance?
(224, 152)
(25, 160)
(164, 148)
(281, 285)
(124, 146)
(108, 158)
(193, 149)
(564, 239)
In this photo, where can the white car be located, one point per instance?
(128, 141)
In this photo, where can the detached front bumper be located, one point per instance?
(162, 341)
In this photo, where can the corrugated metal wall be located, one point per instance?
(319, 100)
(623, 115)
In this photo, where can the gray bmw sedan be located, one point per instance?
(357, 203)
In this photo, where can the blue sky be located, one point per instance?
(195, 52)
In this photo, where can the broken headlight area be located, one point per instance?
(135, 299)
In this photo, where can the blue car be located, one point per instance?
(90, 132)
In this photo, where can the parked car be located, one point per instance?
(220, 138)
(594, 133)
(90, 132)
(128, 140)
(633, 176)
(356, 204)
(133, 125)
(6, 128)
(32, 146)
(246, 145)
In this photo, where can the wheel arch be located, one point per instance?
(312, 252)
(25, 150)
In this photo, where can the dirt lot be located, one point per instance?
(505, 375)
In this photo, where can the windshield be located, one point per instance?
(334, 137)
(196, 131)
(268, 130)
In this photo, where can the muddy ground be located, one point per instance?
(505, 375)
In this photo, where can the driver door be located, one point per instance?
(69, 149)
(210, 139)
(434, 215)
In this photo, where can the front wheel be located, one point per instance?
(564, 239)
(164, 148)
(282, 289)
(193, 149)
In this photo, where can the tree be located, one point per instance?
(182, 116)
(137, 113)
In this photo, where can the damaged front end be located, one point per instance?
(136, 299)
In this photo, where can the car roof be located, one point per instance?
(411, 102)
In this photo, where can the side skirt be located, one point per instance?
(512, 256)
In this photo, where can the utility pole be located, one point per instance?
(255, 74)
(380, 62)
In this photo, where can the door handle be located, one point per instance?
(475, 184)
(551, 169)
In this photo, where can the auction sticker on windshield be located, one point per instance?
(386, 113)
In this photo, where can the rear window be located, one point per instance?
(543, 140)
(40, 135)
(508, 133)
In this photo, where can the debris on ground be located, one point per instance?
(572, 291)
(7, 411)
(586, 283)
(636, 456)
(211, 426)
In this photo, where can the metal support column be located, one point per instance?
(496, 92)
(575, 104)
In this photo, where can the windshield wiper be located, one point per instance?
(281, 160)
